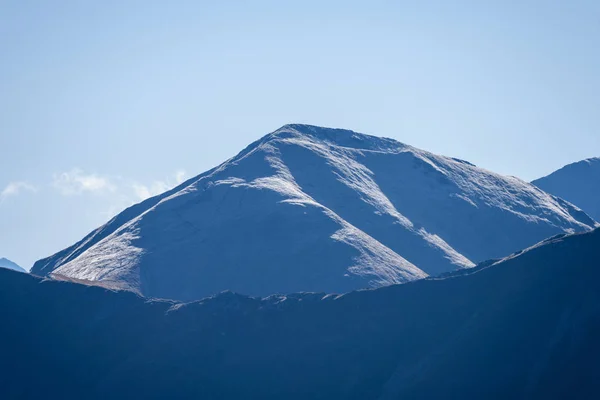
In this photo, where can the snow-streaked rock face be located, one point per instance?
(6, 263)
(316, 209)
(578, 183)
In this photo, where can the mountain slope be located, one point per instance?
(315, 209)
(578, 183)
(524, 327)
(6, 263)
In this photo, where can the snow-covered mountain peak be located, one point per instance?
(6, 263)
(578, 183)
(592, 160)
(307, 208)
(336, 137)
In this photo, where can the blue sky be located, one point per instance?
(105, 103)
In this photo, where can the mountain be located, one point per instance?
(523, 327)
(6, 263)
(578, 183)
(315, 209)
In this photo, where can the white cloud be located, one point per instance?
(129, 193)
(14, 188)
(118, 192)
(143, 192)
(76, 181)
(157, 187)
(180, 176)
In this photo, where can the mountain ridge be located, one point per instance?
(378, 210)
(532, 319)
(578, 183)
(6, 263)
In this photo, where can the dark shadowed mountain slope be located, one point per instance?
(578, 183)
(525, 327)
(315, 209)
(6, 263)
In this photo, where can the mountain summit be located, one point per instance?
(6, 263)
(307, 208)
(578, 183)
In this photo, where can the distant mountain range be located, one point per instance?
(578, 183)
(524, 327)
(315, 209)
(6, 263)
